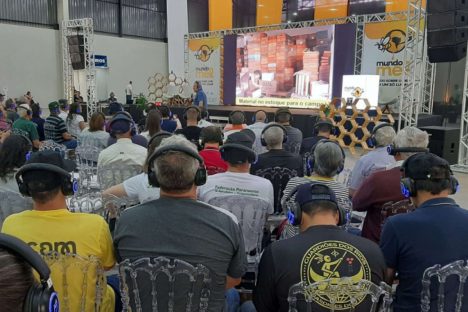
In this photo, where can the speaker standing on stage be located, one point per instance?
(199, 96)
(129, 93)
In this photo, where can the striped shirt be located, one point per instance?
(341, 191)
(54, 128)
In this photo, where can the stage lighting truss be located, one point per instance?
(417, 86)
(84, 27)
(462, 165)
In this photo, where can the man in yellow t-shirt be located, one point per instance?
(50, 227)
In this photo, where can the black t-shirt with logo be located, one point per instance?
(321, 252)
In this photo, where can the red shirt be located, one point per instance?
(213, 161)
(378, 189)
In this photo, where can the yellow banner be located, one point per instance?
(280, 102)
(269, 12)
(331, 9)
(220, 14)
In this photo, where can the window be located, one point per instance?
(39, 12)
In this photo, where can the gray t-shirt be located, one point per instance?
(293, 144)
(188, 230)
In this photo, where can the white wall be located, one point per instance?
(30, 61)
(131, 59)
(177, 27)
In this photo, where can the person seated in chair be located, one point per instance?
(135, 137)
(168, 124)
(259, 123)
(23, 125)
(378, 159)
(192, 115)
(323, 129)
(13, 154)
(384, 186)
(435, 233)
(50, 227)
(55, 128)
(124, 151)
(211, 138)
(326, 162)
(178, 226)
(64, 108)
(236, 123)
(237, 180)
(273, 137)
(321, 251)
(283, 116)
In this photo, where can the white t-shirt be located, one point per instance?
(129, 89)
(73, 125)
(233, 183)
(63, 115)
(138, 187)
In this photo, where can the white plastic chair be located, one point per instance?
(76, 279)
(163, 284)
(456, 269)
(110, 175)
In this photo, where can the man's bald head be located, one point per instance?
(260, 116)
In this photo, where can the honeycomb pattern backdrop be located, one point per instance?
(354, 125)
(170, 90)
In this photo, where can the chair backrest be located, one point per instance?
(345, 177)
(279, 177)
(114, 205)
(49, 145)
(163, 284)
(88, 203)
(87, 155)
(114, 174)
(305, 164)
(76, 280)
(393, 208)
(442, 274)
(337, 294)
(12, 202)
(251, 213)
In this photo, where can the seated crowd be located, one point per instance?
(247, 213)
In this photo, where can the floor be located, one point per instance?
(461, 197)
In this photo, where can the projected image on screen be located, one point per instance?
(289, 67)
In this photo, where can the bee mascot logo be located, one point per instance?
(393, 42)
(203, 54)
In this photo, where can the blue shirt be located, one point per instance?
(201, 96)
(435, 233)
(169, 125)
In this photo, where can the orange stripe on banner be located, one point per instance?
(269, 12)
(220, 14)
(331, 8)
(399, 5)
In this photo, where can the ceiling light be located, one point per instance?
(260, 5)
(333, 9)
(289, 21)
(295, 13)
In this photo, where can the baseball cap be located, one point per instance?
(44, 182)
(250, 133)
(238, 148)
(53, 106)
(310, 192)
(25, 106)
(419, 166)
(52, 158)
(239, 140)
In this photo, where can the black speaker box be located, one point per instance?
(77, 51)
(442, 54)
(443, 142)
